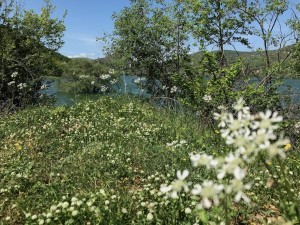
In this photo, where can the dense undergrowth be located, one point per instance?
(103, 162)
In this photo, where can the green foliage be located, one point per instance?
(218, 23)
(149, 41)
(104, 161)
(27, 45)
(115, 145)
(82, 75)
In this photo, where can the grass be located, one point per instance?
(103, 162)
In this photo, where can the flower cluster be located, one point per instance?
(174, 89)
(176, 144)
(105, 76)
(207, 98)
(297, 127)
(250, 135)
(139, 80)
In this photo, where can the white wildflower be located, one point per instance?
(74, 213)
(33, 217)
(22, 85)
(113, 81)
(65, 204)
(149, 216)
(111, 71)
(173, 89)
(11, 83)
(187, 211)
(105, 76)
(14, 74)
(104, 88)
(203, 160)
(207, 98)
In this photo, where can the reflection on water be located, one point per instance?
(127, 85)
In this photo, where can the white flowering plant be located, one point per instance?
(253, 138)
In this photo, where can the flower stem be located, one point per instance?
(226, 210)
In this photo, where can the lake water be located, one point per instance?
(127, 85)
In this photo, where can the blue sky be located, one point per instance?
(85, 20)
(88, 19)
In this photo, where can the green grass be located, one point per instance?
(103, 162)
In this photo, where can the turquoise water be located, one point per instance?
(126, 85)
(294, 92)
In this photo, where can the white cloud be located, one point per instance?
(84, 55)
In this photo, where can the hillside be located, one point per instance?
(255, 59)
(107, 161)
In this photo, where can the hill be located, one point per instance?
(255, 59)
(104, 162)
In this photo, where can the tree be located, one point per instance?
(149, 41)
(267, 24)
(294, 23)
(27, 41)
(218, 23)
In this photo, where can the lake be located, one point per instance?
(127, 85)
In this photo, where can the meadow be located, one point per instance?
(121, 160)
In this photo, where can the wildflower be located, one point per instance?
(111, 71)
(11, 83)
(207, 98)
(203, 160)
(188, 211)
(139, 80)
(74, 213)
(237, 186)
(22, 85)
(93, 82)
(102, 192)
(287, 146)
(74, 199)
(173, 89)
(124, 210)
(180, 183)
(53, 208)
(232, 162)
(149, 216)
(33, 217)
(18, 146)
(208, 191)
(113, 81)
(268, 119)
(14, 74)
(65, 205)
(239, 106)
(104, 88)
(297, 126)
(105, 76)
(41, 221)
(44, 86)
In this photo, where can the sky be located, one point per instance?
(85, 21)
(88, 19)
